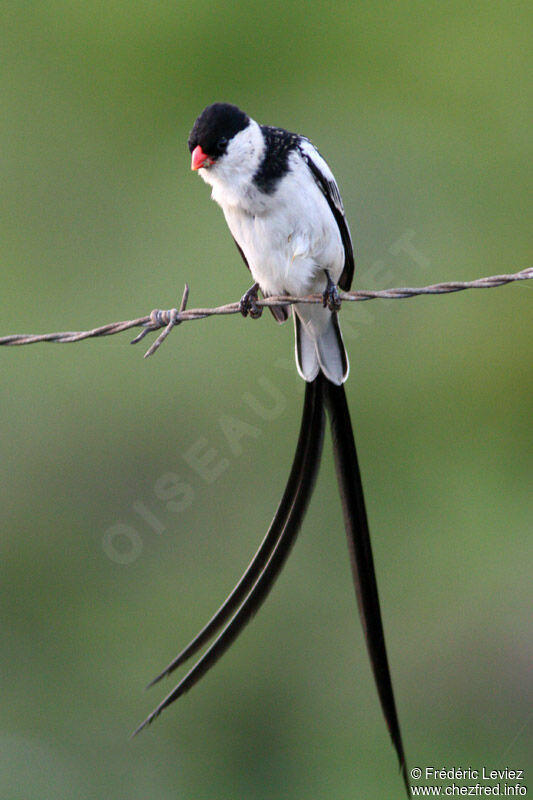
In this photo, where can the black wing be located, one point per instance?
(239, 248)
(328, 186)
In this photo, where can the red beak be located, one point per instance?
(199, 158)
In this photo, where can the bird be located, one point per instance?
(283, 208)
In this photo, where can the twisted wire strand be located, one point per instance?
(171, 318)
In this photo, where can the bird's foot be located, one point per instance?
(330, 296)
(248, 303)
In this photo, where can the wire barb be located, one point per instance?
(158, 318)
(169, 319)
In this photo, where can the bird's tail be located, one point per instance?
(319, 344)
(254, 586)
(356, 524)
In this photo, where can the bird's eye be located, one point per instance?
(222, 142)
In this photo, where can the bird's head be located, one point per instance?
(226, 145)
(213, 133)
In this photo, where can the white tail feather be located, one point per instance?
(319, 345)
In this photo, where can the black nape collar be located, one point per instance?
(275, 164)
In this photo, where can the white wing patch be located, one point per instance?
(326, 182)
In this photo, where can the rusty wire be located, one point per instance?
(169, 319)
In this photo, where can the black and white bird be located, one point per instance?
(285, 213)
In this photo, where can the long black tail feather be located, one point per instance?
(287, 523)
(256, 566)
(355, 520)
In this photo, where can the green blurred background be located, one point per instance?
(423, 111)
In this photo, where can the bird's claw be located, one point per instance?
(330, 296)
(248, 303)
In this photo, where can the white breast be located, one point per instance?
(289, 237)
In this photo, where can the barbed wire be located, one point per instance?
(169, 319)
